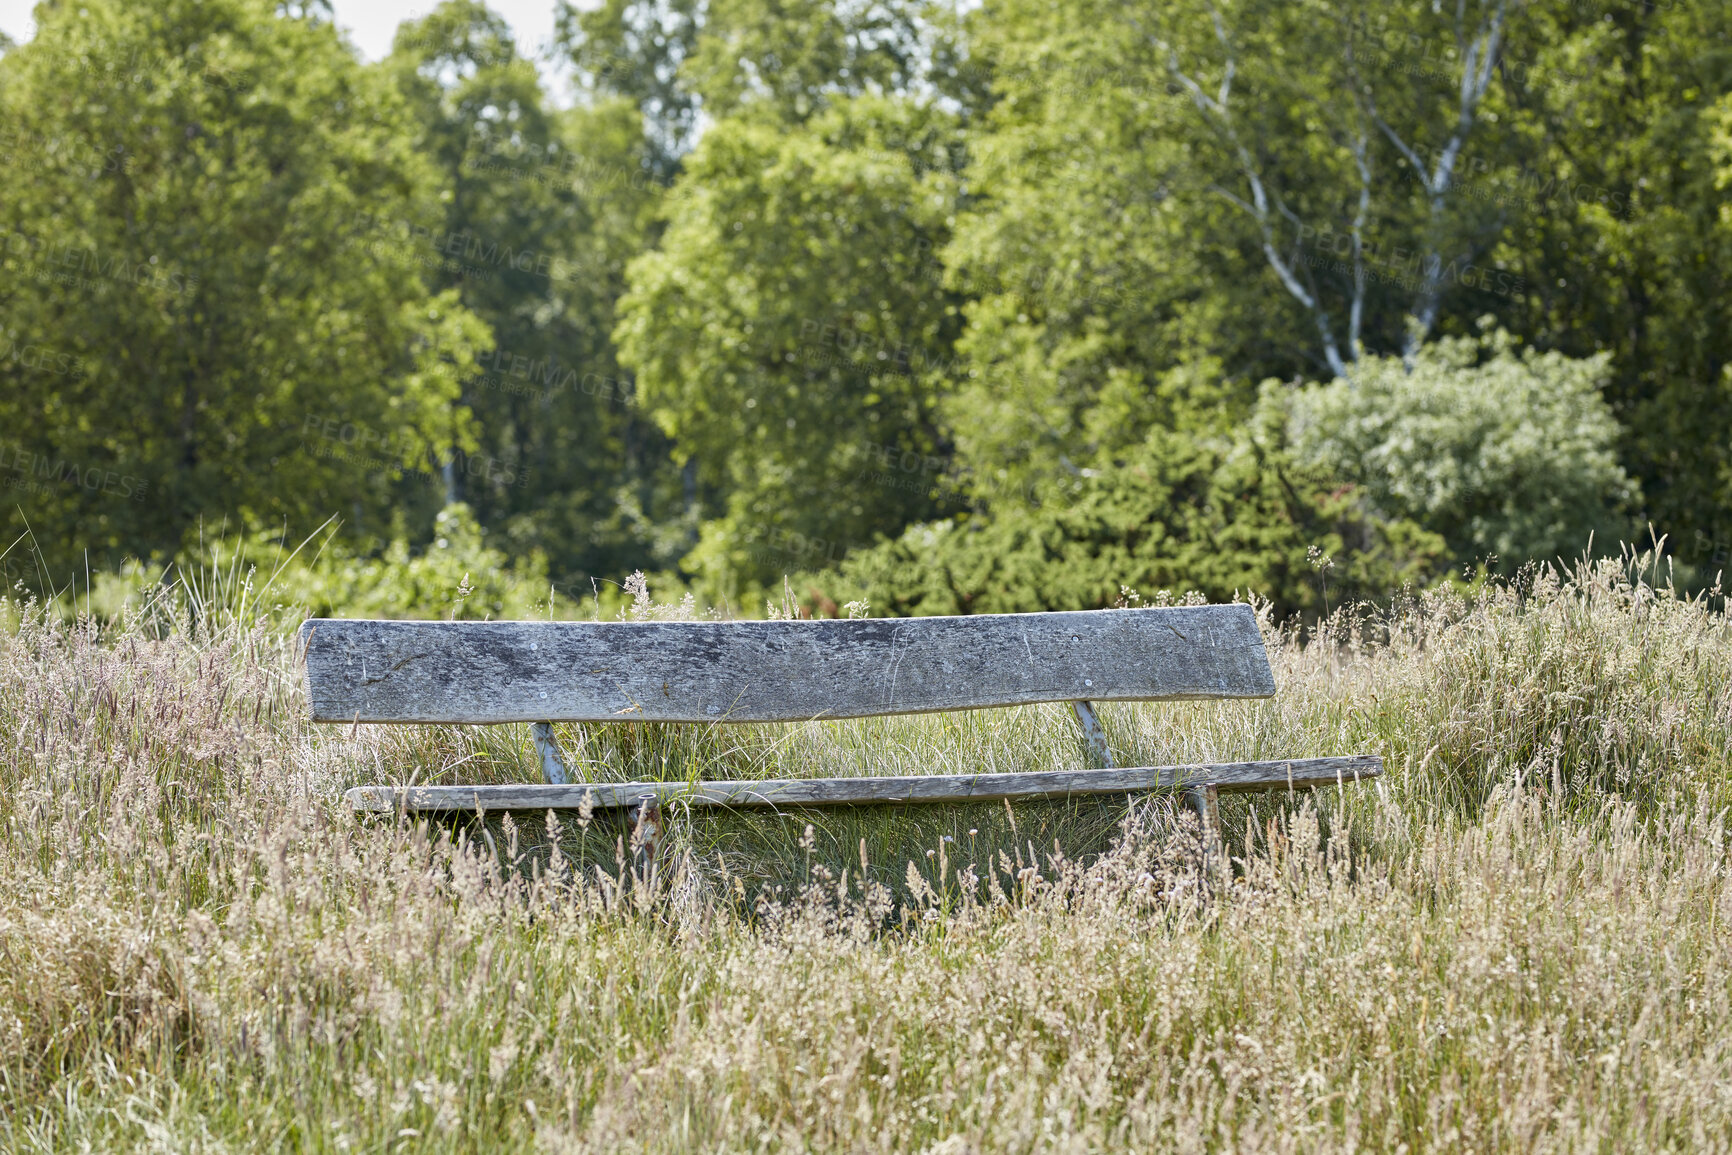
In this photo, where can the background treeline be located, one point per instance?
(1003, 310)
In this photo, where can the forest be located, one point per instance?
(912, 306)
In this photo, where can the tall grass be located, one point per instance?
(1517, 939)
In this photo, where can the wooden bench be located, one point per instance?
(787, 671)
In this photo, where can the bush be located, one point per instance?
(1509, 456)
(1225, 518)
(459, 576)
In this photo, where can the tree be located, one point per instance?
(680, 61)
(1551, 163)
(782, 333)
(1175, 202)
(544, 211)
(1617, 227)
(792, 59)
(637, 50)
(1106, 288)
(199, 326)
(1346, 99)
(1159, 183)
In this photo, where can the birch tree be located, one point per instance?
(1348, 63)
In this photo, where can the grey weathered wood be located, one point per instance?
(1207, 801)
(777, 671)
(1297, 773)
(1094, 737)
(552, 761)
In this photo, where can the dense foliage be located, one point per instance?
(1507, 457)
(959, 309)
(202, 320)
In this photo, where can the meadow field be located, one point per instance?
(1516, 940)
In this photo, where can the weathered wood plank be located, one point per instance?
(1300, 773)
(483, 672)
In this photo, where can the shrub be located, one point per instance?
(458, 576)
(1226, 518)
(1505, 454)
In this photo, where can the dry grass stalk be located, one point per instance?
(1517, 940)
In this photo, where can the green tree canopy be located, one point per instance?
(1226, 517)
(188, 244)
(681, 61)
(783, 332)
(543, 211)
(792, 278)
(1168, 196)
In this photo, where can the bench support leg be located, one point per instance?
(646, 837)
(552, 763)
(1207, 801)
(1093, 735)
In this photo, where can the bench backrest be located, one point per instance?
(775, 671)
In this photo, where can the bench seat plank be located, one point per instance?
(1226, 776)
(775, 671)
